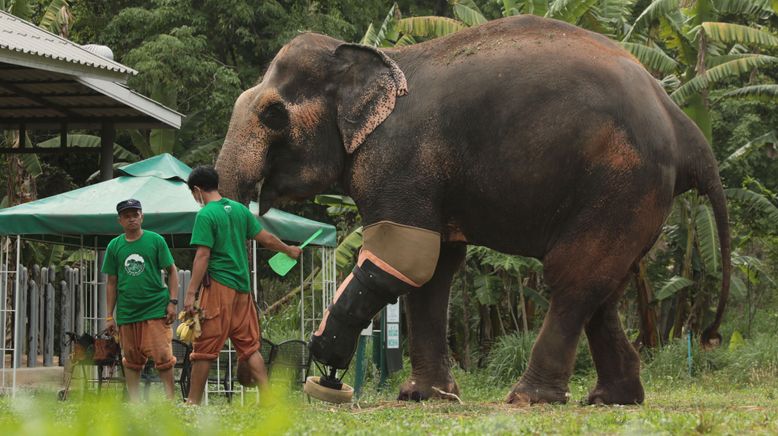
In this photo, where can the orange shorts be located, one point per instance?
(226, 314)
(142, 340)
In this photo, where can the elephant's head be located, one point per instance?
(318, 101)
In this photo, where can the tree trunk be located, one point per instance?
(648, 327)
(486, 335)
(465, 362)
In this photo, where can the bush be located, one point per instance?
(510, 355)
(753, 361)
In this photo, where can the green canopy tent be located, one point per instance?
(86, 218)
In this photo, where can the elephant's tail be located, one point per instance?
(719, 203)
(707, 181)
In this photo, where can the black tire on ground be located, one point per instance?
(315, 390)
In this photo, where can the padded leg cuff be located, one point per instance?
(365, 295)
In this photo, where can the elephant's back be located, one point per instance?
(518, 38)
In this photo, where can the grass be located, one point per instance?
(675, 406)
(731, 390)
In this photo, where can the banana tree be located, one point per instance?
(23, 169)
(703, 54)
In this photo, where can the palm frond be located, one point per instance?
(652, 58)
(745, 263)
(90, 141)
(769, 138)
(754, 201)
(716, 60)
(51, 18)
(757, 92)
(347, 250)
(729, 33)
(707, 238)
(139, 142)
(737, 287)
(199, 152)
(570, 11)
(670, 83)
(719, 73)
(533, 7)
(405, 40)
(429, 27)
(370, 37)
(656, 9)
(616, 12)
(468, 12)
(511, 7)
(670, 287)
(21, 9)
(742, 7)
(374, 37)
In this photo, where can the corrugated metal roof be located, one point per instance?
(23, 43)
(45, 99)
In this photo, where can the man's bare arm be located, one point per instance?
(199, 268)
(110, 299)
(271, 241)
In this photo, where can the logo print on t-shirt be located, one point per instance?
(228, 208)
(134, 264)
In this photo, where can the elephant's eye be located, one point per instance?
(274, 116)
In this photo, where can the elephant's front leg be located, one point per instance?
(427, 314)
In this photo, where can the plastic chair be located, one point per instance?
(295, 356)
(182, 351)
(268, 350)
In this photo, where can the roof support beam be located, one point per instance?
(44, 150)
(107, 137)
(41, 101)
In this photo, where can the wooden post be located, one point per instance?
(48, 350)
(65, 316)
(21, 313)
(32, 332)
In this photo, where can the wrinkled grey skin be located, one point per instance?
(526, 135)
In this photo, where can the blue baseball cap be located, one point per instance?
(128, 204)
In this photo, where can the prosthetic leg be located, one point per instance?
(394, 260)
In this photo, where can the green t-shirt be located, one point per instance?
(141, 294)
(224, 226)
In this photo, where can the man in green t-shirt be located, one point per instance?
(220, 232)
(145, 308)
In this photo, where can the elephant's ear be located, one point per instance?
(369, 84)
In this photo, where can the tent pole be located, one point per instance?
(17, 298)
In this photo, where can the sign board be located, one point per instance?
(392, 335)
(393, 312)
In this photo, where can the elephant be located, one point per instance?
(524, 134)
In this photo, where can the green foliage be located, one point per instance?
(707, 238)
(672, 286)
(652, 58)
(509, 357)
(755, 202)
(468, 12)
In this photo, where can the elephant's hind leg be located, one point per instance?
(617, 362)
(427, 313)
(582, 271)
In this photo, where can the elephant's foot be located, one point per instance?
(418, 389)
(620, 392)
(524, 394)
